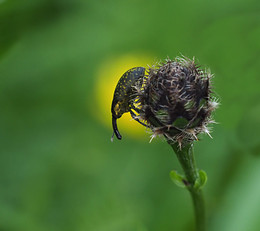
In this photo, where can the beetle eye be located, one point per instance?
(117, 109)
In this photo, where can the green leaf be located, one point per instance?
(201, 180)
(178, 179)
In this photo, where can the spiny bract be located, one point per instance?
(175, 100)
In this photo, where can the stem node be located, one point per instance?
(195, 180)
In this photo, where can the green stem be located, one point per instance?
(186, 158)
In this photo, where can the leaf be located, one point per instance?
(201, 180)
(178, 179)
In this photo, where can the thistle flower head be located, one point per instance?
(175, 100)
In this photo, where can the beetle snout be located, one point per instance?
(114, 124)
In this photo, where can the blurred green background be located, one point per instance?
(58, 168)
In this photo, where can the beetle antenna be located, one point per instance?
(112, 137)
(115, 129)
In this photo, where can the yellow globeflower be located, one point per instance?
(108, 75)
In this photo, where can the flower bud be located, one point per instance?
(175, 100)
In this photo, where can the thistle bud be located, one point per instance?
(175, 100)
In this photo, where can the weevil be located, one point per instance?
(123, 96)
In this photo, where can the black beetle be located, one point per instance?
(123, 95)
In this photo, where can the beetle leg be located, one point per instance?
(115, 129)
(134, 116)
(135, 108)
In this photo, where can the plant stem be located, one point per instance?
(186, 158)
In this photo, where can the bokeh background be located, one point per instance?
(59, 63)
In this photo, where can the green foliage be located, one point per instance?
(178, 179)
(201, 180)
(58, 168)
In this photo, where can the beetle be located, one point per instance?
(122, 97)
